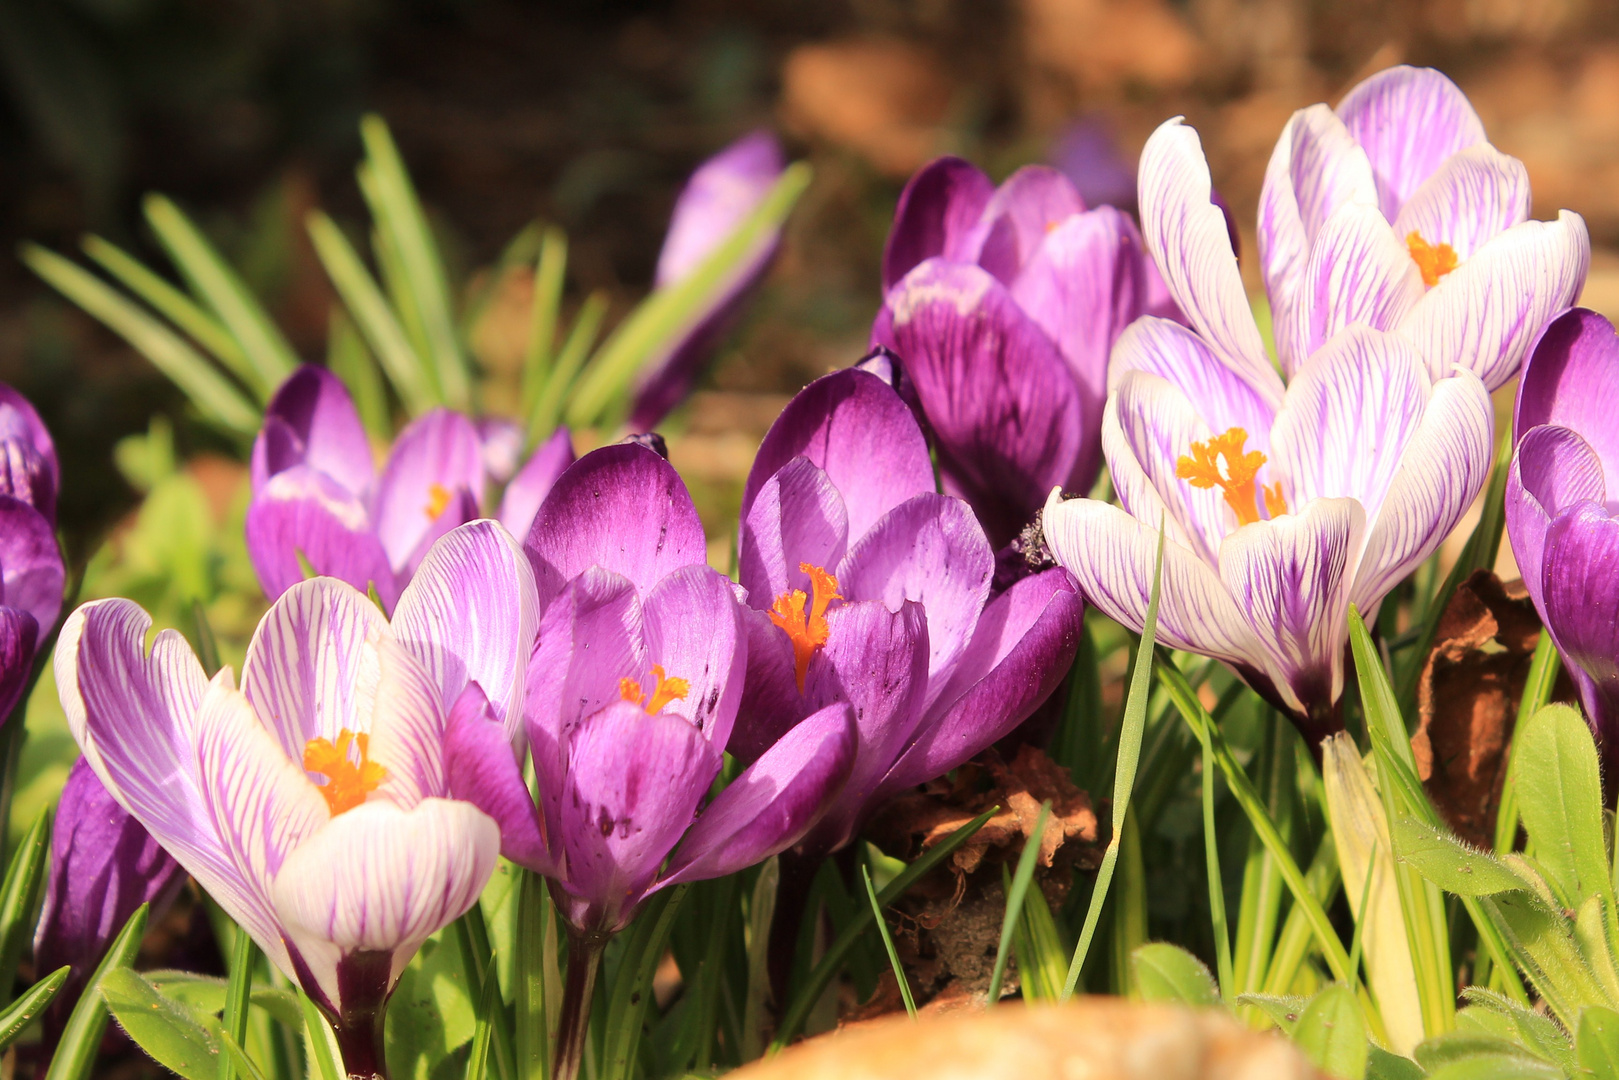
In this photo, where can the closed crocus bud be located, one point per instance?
(104, 865)
(31, 572)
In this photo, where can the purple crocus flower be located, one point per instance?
(866, 588)
(718, 198)
(31, 571)
(1396, 203)
(317, 492)
(1559, 513)
(1003, 305)
(1281, 505)
(312, 801)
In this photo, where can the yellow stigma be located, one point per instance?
(664, 690)
(348, 782)
(807, 630)
(438, 497)
(1202, 470)
(1434, 260)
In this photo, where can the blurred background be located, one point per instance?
(590, 113)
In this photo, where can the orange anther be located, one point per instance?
(1202, 470)
(438, 497)
(664, 690)
(1434, 260)
(348, 781)
(807, 630)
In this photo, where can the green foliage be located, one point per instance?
(1165, 972)
(1329, 1032)
(177, 1037)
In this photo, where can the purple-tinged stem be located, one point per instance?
(573, 1026)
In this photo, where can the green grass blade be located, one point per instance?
(888, 944)
(667, 312)
(792, 1020)
(532, 1028)
(269, 355)
(631, 993)
(488, 1003)
(548, 407)
(1537, 691)
(1293, 943)
(22, 1012)
(238, 1058)
(326, 1060)
(544, 312)
(1124, 773)
(350, 360)
(237, 996)
(76, 1051)
(173, 304)
(372, 314)
(472, 935)
(761, 914)
(215, 397)
(19, 897)
(1262, 885)
(1211, 855)
(1014, 901)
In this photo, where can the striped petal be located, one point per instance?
(1358, 273)
(1474, 196)
(437, 463)
(406, 728)
(1409, 121)
(1173, 353)
(302, 512)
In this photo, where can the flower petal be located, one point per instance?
(1358, 272)
(1031, 203)
(1186, 234)
(1003, 405)
(302, 511)
(773, 803)
(797, 518)
(30, 562)
(1473, 197)
(931, 550)
(1581, 596)
(406, 728)
(438, 458)
(1172, 352)
(1291, 578)
(938, 211)
(19, 638)
(1484, 314)
(692, 624)
(502, 440)
(771, 703)
(312, 421)
(1408, 120)
(1553, 469)
(622, 508)
(481, 768)
(29, 469)
(856, 428)
(471, 613)
(533, 483)
(1572, 379)
(719, 196)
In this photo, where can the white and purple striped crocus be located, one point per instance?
(1559, 509)
(867, 588)
(317, 493)
(1002, 304)
(723, 192)
(1281, 505)
(31, 571)
(311, 800)
(1393, 210)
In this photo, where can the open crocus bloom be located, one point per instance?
(1281, 506)
(869, 589)
(1003, 304)
(317, 493)
(31, 571)
(632, 694)
(1393, 210)
(1558, 509)
(311, 801)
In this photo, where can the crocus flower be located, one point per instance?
(311, 801)
(1435, 243)
(317, 493)
(869, 589)
(1558, 510)
(104, 865)
(1003, 304)
(1280, 505)
(31, 572)
(723, 192)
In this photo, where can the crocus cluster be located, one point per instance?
(1405, 284)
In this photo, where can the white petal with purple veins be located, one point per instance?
(1475, 196)
(1358, 272)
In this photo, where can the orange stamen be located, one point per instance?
(1202, 470)
(348, 782)
(664, 690)
(438, 497)
(1434, 260)
(806, 630)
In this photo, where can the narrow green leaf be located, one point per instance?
(1537, 691)
(320, 1042)
(888, 944)
(239, 1059)
(372, 314)
(488, 1002)
(1544, 947)
(1042, 954)
(81, 1038)
(1330, 1034)
(630, 996)
(175, 1037)
(20, 896)
(473, 936)
(173, 304)
(1596, 1044)
(544, 312)
(350, 360)
(553, 397)
(22, 1012)
(1014, 901)
(238, 995)
(761, 915)
(532, 1029)
(269, 355)
(1293, 943)
(1450, 863)
(214, 396)
(1262, 884)
(1166, 972)
(1211, 857)
(1554, 765)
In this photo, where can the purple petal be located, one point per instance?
(622, 508)
(938, 212)
(471, 614)
(1476, 195)
(773, 803)
(481, 769)
(302, 511)
(19, 637)
(1553, 469)
(632, 788)
(30, 562)
(693, 628)
(1004, 407)
(502, 446)
(771, 702)
(1580, 590)
(1020, 653)
(29, 469)
(1088, 153)
(1572, 379)
(720, 195)
(436, 461)
(1358, 273)
(1030, 204)
(855, 427)
(797, 518)
(1221, 397)
(533, 483)
(312, 421)
(930, 550)
(1408, 120)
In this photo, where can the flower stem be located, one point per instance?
(573, 1027)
